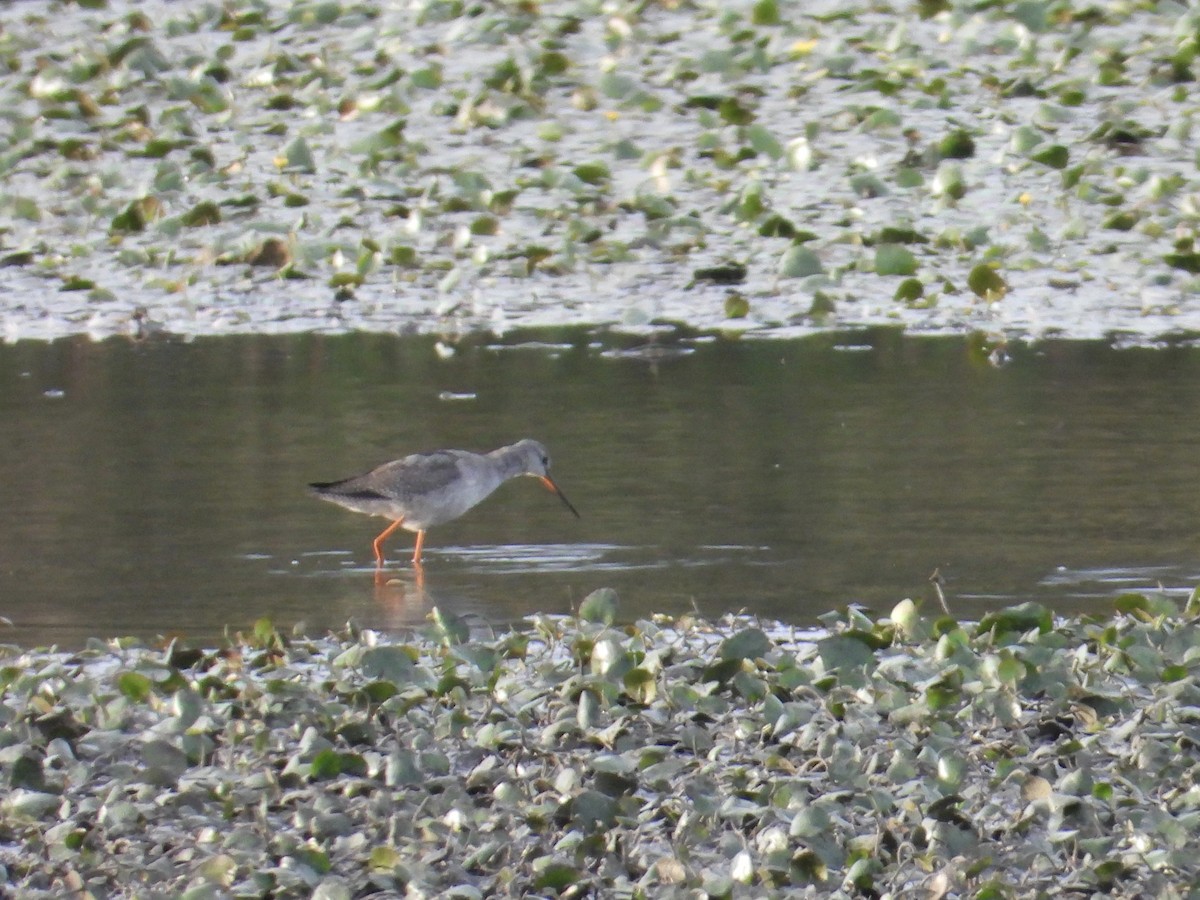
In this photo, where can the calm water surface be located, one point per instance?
(159, 488)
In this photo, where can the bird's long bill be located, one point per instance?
(549, 482)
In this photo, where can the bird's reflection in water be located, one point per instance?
(402, 597)
(406, 605)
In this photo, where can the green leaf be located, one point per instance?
(137, 215)
(77, 283)
(599, 606)
(317, 860)
(1174, 673)
(951, 768)
(985, 282)
(882, 119)
(554, 62)
(1032, 14)
(593, 811)
(733, 112)
(868, 185)
(386, 858)
(764, 142)
(894, 259)
(641, 685)
(1121, 220)
(485, 225)
(448, 629)
(730, 273)
(751, 202)
(19, 258)
(403, 255)
(24, 804)
(325, 765)
(298, 156)
(1192, 607)
(1025, 138)
(1145, 608)
(265, 634)
(26, 773)
(907, 617)
(750, 643)
(956, 145)
(810, 822)
(798, 261)
(1188, 262)
(610, 659)
(654, 206)
(822, 305)
(1055, 156)
(765, 12)
(588, 712)
(896, 234)
(203, 213)
(1010, 670)
(1021, 618)
(844, 652)
(554, 875)
(352, 764)
(616, 86)
(481, 656)
(135, 686)
(380, 691)
(910, 290)
(380, 142)
(160, 147)
(736, 306)
(754, 690)
(776, 225)
(949, 181)
(593, 173)
(158, 754)
(389, 662)
(942, 696)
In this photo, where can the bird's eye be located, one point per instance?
(546, 461)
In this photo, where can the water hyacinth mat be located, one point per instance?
(1020, 756)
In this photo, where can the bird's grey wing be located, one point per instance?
(418, 475)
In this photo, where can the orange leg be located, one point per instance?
(417, 552)
(378, 545)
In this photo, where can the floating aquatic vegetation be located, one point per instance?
(1017, 755)
(894, 259)
(668, 138)
(986, 282)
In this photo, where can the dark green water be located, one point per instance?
(163, 490)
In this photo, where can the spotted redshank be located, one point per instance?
(427, 489)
